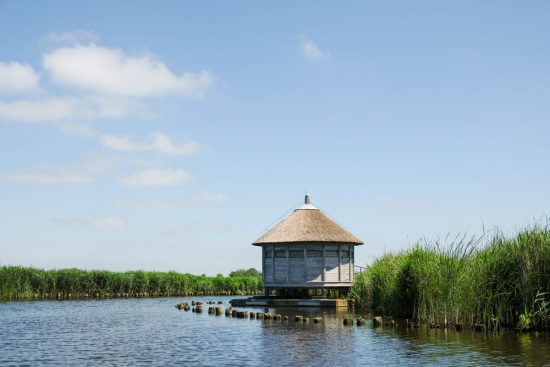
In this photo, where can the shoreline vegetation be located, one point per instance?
(458, 283)
(27, 283)
(502, 284)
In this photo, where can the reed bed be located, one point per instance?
(18, 282)
(503, 283)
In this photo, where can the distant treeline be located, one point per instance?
(251, 272)
(505, 283)
(29, 283)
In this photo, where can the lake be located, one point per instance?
(152, 331)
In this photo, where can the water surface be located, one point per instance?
(153, 332)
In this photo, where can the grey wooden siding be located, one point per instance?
(309, 265)
(297, 270)
(314, 269)
(281, 271)
(331, 269)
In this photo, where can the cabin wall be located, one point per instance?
(307, 265)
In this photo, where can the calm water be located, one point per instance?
(153, 332)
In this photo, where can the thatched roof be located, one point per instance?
(307, 224)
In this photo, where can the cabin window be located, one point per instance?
(280, 253)
(344, 255)
(331, 253)
(296, 253)
(314, 253)
(268, 254)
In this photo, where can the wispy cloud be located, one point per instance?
(103, 223)
(206, 198)
(165, 204)
(76, 36)
(405, 202)
(111, 222)
(16, 77)
(312, 52)
(77, 130)
(159, 142)
(56, 109)
(212, 197)
(50, 177)
(158, 178)
(113, 72)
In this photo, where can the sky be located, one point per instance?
(170, 135)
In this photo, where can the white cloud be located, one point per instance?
(312, 52)
(212, 197)
(109, 223)
(110, 71)
(158, 177)
(120, 142)
(160, 143)
(16, 77)
(54, 109)
(77, 130)
(163, 144)
(50, 177)
(75, 36)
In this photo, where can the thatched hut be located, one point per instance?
(307, 250)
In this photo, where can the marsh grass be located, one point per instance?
(503, 283)
(30, 283)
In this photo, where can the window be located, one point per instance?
(280, 253)
(314, 253)
(296, 253)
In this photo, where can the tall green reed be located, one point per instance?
(18, 282)
(504, 283)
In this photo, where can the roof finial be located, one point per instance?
(308, 199)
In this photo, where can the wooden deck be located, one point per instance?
(287, 302)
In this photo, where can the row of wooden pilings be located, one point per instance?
(197, 307)
(230, 312)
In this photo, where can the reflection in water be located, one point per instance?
(153, 332)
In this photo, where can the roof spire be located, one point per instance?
(307, 199)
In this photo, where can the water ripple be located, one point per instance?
(151, 332)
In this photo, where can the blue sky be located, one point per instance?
(169, 135)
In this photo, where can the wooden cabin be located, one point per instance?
(307, 250)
